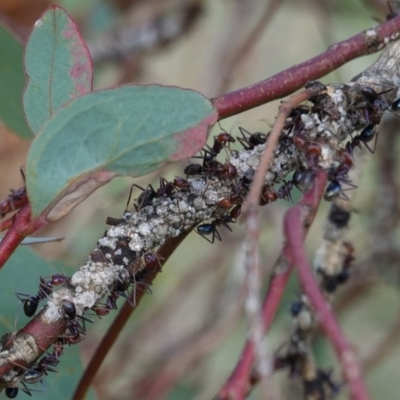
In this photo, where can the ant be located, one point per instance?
(267, 195)
(68, 310)
(193, 169)
(31, 303)
(239, 191)
(365, 136)
(321, 386)
(220, 142)
(121, 285)
(30, 376)
(219, 169)
(302, 178)
(252, 140)
(152, 261)
(211, 228)
(148, 195)
(14, 201)
(181, 183)
(11, 392)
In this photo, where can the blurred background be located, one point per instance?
(184, 339)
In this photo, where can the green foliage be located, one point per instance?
(131, 130)
(85, 139)
(57, 64)
(12, 82)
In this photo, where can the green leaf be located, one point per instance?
(131, 130)
(12, 82)
(21, 274)
(57, 64)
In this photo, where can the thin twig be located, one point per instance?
(288, 81)
(344, 351)
(239, 382)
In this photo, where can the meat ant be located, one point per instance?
(31, 303)
(267, 195)
(220, 141)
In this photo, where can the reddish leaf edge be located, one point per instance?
(54, 8)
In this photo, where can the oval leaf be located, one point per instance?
(12, 82)
(130, 130)
(57, 64)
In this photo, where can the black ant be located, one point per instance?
(11, 392)
(31, 303)
(68, 310)
(321, 387)
(30, 376)
(145, 198)
(365, 136)
(250, 140)
(302, 178)
(193, 169)
(211, 228)
(121, 285)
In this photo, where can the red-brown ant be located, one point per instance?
(267, 195)
(181, 183)
(220, 141)
(152, 261)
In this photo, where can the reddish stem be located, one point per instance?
(286, 82)
(21, 227)
(238, 383)
(329, 323)
(6, 224)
